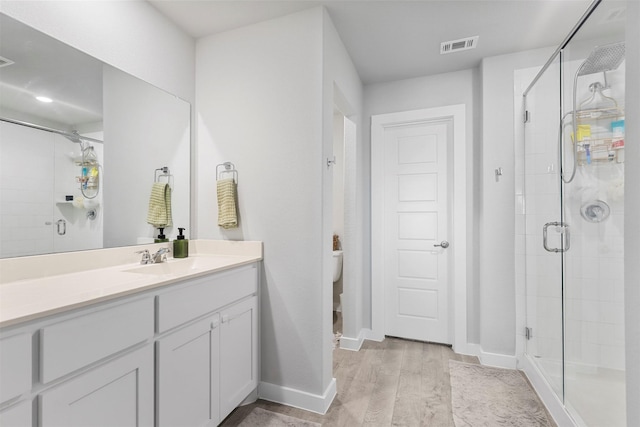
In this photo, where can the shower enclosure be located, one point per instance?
(571, 218)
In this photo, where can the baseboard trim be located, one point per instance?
(368, 334)
(493, 359)
(546, 393)
(354, 344)
(298, 398)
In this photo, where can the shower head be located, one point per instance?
(73, 137)
(603, 58)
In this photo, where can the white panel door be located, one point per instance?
(416, 219)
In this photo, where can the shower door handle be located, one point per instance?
(564, 230)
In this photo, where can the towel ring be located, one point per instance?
(226, 168)
(163, 172)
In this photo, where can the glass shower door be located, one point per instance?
(573, 214)
(593, 205)
(542, 211)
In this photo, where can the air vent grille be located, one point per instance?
(458, 45)
(4, 62)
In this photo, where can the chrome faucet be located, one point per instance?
(146, 258)
(160, 256)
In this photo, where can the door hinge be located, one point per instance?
(526, 117)
(528, 333)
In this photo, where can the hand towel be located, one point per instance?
(159, 214)
(227, 214)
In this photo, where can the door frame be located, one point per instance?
(458, 216)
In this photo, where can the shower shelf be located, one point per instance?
(604, 146)
(593, 114)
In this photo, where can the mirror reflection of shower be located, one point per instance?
(89, 180)
(57, 205)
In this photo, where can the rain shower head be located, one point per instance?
(603, 58)
(73, 137)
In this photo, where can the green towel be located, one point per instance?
(227, 213)
(159, 214)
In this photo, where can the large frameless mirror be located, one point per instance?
(82, 147)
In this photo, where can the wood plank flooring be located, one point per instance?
(394, 382)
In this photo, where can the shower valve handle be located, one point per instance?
(444, 245)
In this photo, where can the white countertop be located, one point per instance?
(37, 295)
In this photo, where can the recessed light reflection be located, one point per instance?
(44, 99)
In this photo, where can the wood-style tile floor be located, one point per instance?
(394, 382)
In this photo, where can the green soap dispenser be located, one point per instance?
(161, 237)
(180, 245)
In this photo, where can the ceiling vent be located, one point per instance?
(4, 62)
(459, 45)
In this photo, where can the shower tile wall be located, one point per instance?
(594, 306)
(595, 264)
(36, 171)
(26, 188)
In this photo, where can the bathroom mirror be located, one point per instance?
(138, 133)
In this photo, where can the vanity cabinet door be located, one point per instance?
(17, 415)
(238, 354)
(15, 366)
(118, 393)
(188, 372)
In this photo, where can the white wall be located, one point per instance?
(426, 92)
(497, 291)
(632, 222)
(259, 105)
(130, 35)
(265, 103)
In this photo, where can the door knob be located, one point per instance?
(444, 245)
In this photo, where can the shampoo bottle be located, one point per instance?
(161, 237)
(180, 245)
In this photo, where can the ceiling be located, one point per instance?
(393, 40)
(44, 66)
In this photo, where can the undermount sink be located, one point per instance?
(176, 267)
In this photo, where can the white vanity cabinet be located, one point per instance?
(118, 393)
(18, 415)
(184, 353)
(188, 375)
(15, 366)
(238, 354)
(206, 367)
(119, 390)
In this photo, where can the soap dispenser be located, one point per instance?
(180, 245)
(161, 237)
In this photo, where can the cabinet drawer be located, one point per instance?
(15, 366)
(202, 296)
(77, 342)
